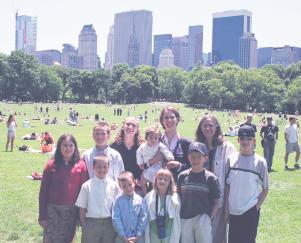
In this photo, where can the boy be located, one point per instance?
(199, 192)
(291, 142)
(129, 213)
(101, 136)
(95, 202)
(246, 172)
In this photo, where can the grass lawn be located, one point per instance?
(280, 216)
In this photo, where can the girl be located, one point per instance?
(62, 179)
(147, 151)
(163, 206)
(11, 125)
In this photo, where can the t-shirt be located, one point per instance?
(197, 192)
(245, 175)
(292, 133)
(269, 132)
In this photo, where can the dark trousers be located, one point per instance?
(243, 228)
(268, 151)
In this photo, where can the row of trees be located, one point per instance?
(226, 85)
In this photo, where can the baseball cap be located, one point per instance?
(270, 117)
(246, 131)
(199, 147)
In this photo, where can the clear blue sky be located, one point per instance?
(60, 21)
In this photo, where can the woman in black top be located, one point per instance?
(126, 143)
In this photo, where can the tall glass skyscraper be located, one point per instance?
(26, 34)
(160, 42)
(124, 24)
(228, 27)
(195, 45)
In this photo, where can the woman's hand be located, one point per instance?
(158, 157)
(173, 164)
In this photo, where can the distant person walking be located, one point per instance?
(11, 125)
(291, 139)
(249, 119)
(269, 134)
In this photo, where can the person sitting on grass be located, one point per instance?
(47, 143)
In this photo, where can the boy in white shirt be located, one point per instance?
(147, 151)
(95, 202)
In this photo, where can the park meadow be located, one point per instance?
(280, 218)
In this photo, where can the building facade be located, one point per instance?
(26, 34)
(180, 51)
(228, 27)
(70, 57)
(286, 55)
(160, 42)
(195, 46)
(124, 24)
(166, 59)
(264, 56)
(49, 57)
(87, 47)
(110, 50)
(248, 51)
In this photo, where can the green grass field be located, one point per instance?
(280, 216)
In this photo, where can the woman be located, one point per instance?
(47, 143)
(126, 143)
(62, 179)
(169, 119)
(11, 125)
(209, 132)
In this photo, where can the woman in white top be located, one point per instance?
(210, 133)
(11, 125)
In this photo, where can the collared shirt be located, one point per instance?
(115, 160)
(97, 196)
(129, 215)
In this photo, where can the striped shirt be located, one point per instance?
(197, 192)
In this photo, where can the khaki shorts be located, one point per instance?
(292, 147)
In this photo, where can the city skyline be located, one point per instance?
(272, 28)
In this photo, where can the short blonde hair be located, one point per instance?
(155, 129)
(172, 188)
(102, 124)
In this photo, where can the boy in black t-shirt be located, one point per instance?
(199, 193)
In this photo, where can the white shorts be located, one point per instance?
(11, 134)
(292, 147)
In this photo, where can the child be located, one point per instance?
(129, 214)
(147, 151)
(163, 206)
(95, 203)
(199, 192)
(101, 136)
(246, 172)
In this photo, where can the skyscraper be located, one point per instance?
(133, 48)
(87, 47)
(110, 48)
(26, 34)
(228, 27)
(70, 57)
(264, 56)
(195, 45)
(48, 57)
(123, 31)
(286, 55)
(166, 59)
(160, 42)
(248, 51)
(180, 51)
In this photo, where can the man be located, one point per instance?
(269, 135)
(249, 122)
(291, 139)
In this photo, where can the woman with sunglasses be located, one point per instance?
(210, 133)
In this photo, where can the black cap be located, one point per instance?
(246, 131)
(199, 147)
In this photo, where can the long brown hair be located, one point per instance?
(58, 157)
(120, 136)
(218, 137)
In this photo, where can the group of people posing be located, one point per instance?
(163, 188)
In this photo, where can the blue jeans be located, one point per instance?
(268, 151)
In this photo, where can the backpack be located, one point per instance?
(23, 148)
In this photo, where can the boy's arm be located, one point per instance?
(227, 190)
(215, 208)
(262, 197)
(82, 216)
(143, 220)
(116, 220)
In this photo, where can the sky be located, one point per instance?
(60, 21)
